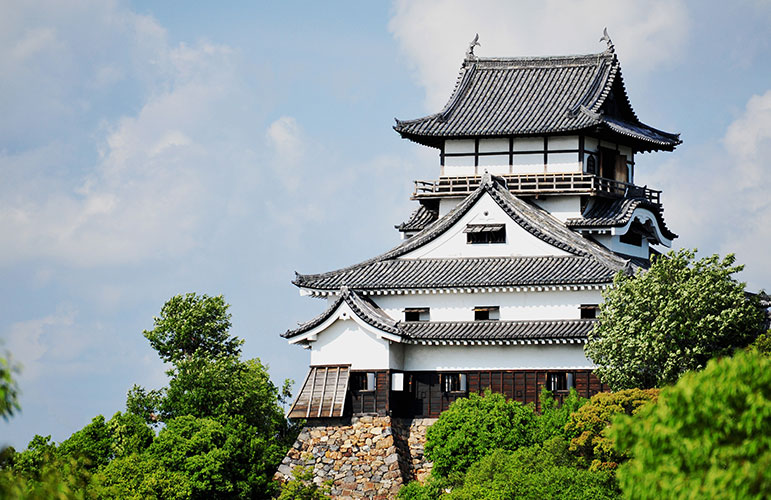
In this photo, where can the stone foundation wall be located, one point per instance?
(363, 457)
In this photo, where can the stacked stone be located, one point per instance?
(359, 459)
(413, 433)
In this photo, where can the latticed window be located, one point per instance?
(485, 233)
(454, 382)
(560, 381)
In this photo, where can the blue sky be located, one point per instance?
(155, 148)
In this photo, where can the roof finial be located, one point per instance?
(474, 43)
(606, 38)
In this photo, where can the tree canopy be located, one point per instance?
(673, 318)
(192, 324)
(707, 437)
(223, 434)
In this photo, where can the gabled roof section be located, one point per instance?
(386, 271)
(500, 97)
(361, 306)
(605, 212)
(419, 219)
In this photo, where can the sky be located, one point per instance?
(152, 148)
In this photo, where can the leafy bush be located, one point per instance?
(302, 486)
(762, 344)
(538, 472)
(707, 437)
(673, 318)
(551, 422)
(472, 427)
(587, 427)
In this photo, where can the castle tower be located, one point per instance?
(502, 265)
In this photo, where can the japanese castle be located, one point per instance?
(502, 265)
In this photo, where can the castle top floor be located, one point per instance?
(548, 123)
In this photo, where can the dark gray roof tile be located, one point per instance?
(541, 95)
(604, 212)
(419, 219)
(497, 330)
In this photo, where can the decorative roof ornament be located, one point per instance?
(474, 43)
(606, 38)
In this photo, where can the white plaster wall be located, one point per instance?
(345, 341)
(459, 146)
(614, 244)
(566, 142)
(493, 145)
(459, 171)
(514, 305)
(514, 357)
(528, 143)
(528, 164)
(559, 163)
(459, 161)
(447, 204)
(561, 207)
(453, 242)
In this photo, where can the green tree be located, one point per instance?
(707, 437)
(302, 486)
(9, 389)
(553, 417)
(538, 472)
(587, 428)
(192, 324)
(673, 318)
(475, 426)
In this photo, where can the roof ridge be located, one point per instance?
(365, 309)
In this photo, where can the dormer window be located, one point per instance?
(485, 233)
(589, 311)
(416, 314)
(487, 313)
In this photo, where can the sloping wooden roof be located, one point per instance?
(323, 393)
(501, 97)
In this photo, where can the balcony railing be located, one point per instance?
(531, 184)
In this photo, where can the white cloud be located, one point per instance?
(31, 341)
(288, 145)
(722, 203)
(147, 174)
(434, 34)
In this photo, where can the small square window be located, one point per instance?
(589, 311)
(487, 313)
(560, 381)
(363, 381)
(454, 382)
(416, 314)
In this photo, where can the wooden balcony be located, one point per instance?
(537, 184)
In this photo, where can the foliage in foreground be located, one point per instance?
(9, 390)
(224, 430)
(539, 472)
(707, 437)
(588, 427)
(472, 427)
(671, 319)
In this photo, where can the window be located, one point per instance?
(397, 381)
(363, 381)
(485, 233)
(454, 382)
(589, 311)
(487, 313)
(560, 381)
(416, 314)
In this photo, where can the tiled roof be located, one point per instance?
(463, 272)
(361, 306)
(591, 263)
(537, 95)
(419, 219)
(605, 212)
(497, 330)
